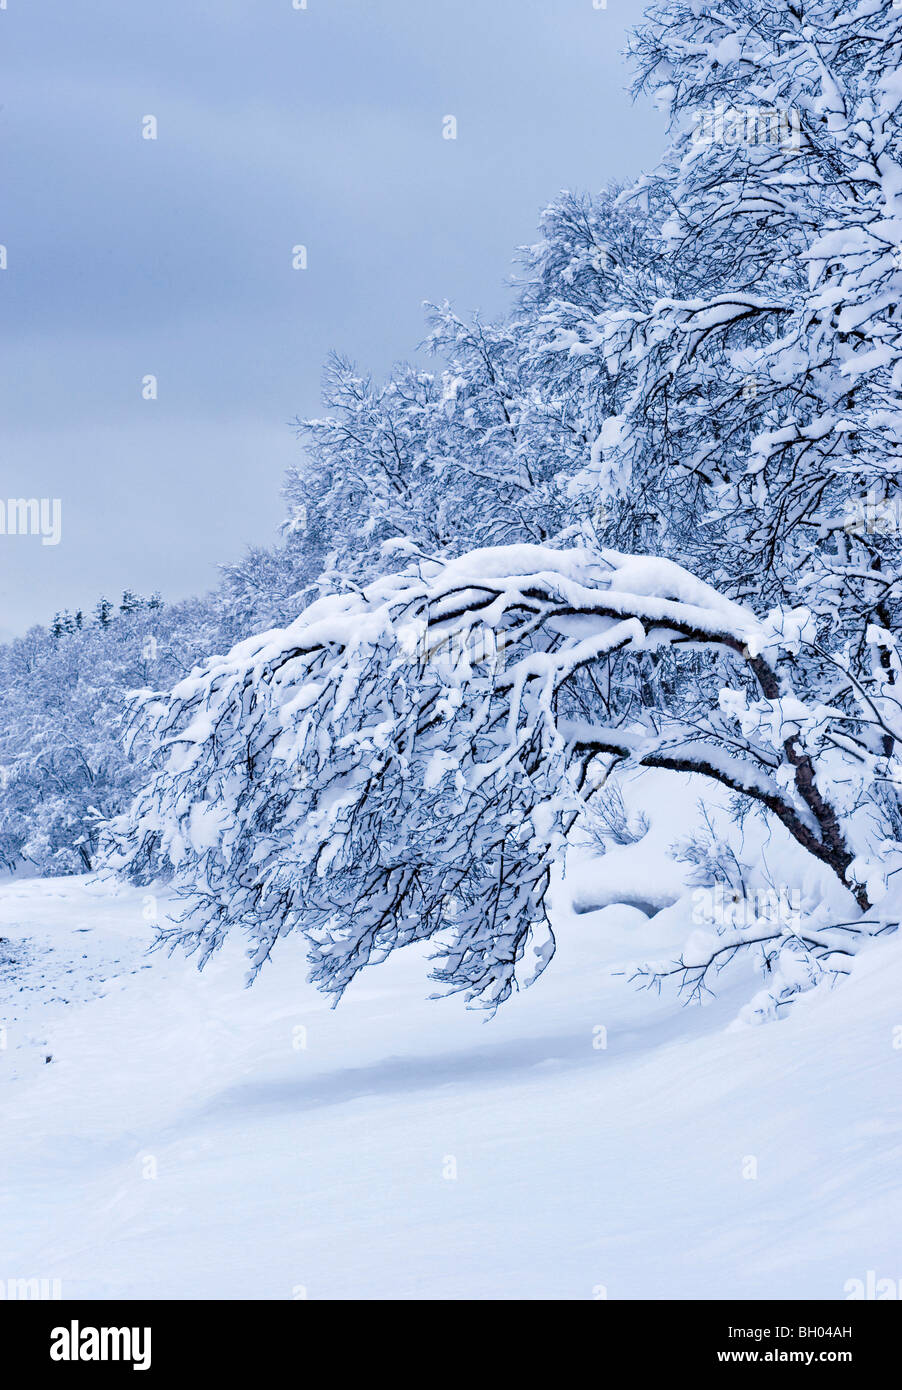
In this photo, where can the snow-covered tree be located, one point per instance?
(764, 410)
(703, 369)
(65, 698)
(405, 763)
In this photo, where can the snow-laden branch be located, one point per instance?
(405, 763)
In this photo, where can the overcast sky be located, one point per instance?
(129, 257)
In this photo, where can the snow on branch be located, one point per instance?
(404, 763)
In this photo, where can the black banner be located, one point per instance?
(65, 1339)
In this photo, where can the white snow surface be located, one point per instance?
(582, 1170)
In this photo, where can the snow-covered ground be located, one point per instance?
(191, 1138)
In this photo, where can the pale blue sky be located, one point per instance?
(276, 127)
